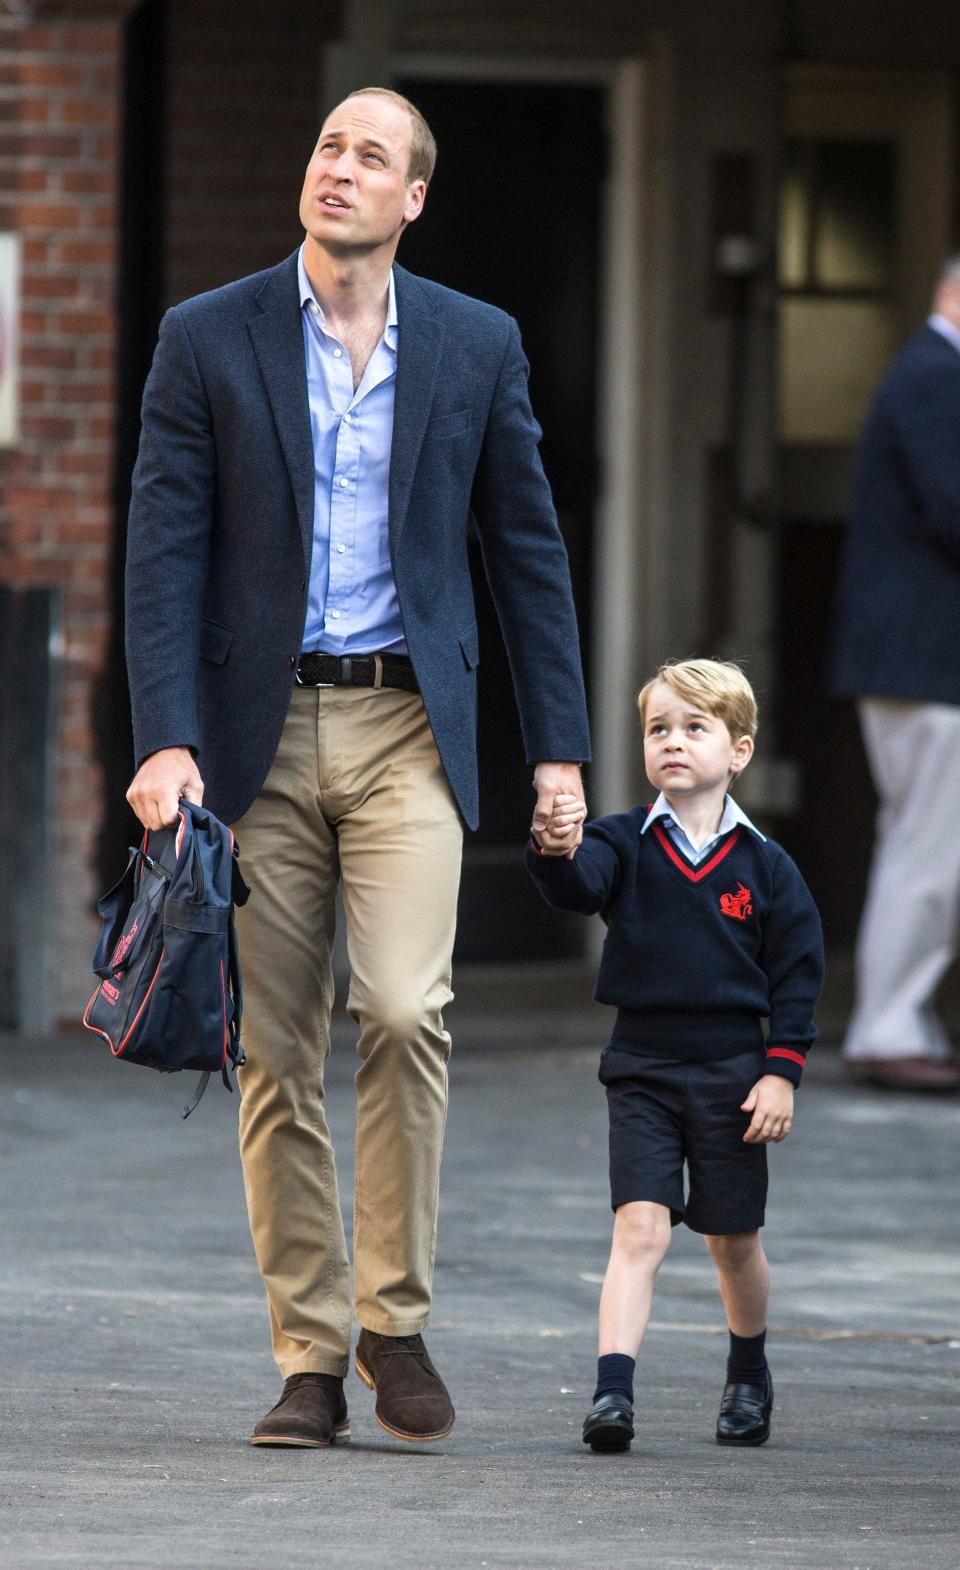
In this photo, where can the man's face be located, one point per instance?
(686, 751)
(355, 195)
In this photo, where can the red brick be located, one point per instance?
(42, 74)
(49, 427)
(35, 287)
(81, 252)
(84, 322)
(58, 144)
(54, 357)
(87, 111)
(35, 111)
(49, 215)
(89, 182)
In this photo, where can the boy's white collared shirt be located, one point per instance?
(731, 816)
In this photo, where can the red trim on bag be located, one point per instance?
(694, 874)
(118, 1050)
(784, 1052)
(95, 1028)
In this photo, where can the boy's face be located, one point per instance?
(686, 751)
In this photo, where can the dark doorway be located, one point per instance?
(832, 835)
(514, 217)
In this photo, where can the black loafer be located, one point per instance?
(745, 1414)
(608, 1426)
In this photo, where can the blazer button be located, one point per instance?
(303, 583)
(293, 661)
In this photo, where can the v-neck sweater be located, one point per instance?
(696, 957)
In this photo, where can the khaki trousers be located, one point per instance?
(908, 931)
(356, 795)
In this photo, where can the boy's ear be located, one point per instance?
(742, 753)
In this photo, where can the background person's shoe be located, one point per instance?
(908, 1073)
(312, 1411)
(608, 1426)
(745, 1414)
(412, 1400)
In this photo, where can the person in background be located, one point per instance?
(897, 654)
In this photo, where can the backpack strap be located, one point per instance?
(202, 1084)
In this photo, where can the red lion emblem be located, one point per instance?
(739, 905)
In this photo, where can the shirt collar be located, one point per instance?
(946, 329)
(731, 817)
(307, 297)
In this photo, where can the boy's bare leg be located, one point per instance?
(641, 1237)
(745, 1288)
(744, 1280)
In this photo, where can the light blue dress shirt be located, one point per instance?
(944, 326)
(732, 815)
(352, 605)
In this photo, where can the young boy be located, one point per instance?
(710, 928)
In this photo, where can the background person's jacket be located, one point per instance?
(898, 600)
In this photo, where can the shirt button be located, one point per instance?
(348, 418)
(341, 549)
(338, 354)
(344, 484)
(335, 615)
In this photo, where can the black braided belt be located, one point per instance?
(357, 670)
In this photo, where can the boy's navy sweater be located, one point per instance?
(696, 956)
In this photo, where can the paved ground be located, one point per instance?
(133, 1349)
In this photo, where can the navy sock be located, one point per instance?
(746, 1360)
(615, 1374)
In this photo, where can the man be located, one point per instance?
(303, 648)
(898, 653)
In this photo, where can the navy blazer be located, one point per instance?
(898, 601)
(221, 531)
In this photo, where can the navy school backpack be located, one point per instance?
(170, 994)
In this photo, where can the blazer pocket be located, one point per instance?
(215, 641)
(446, 426)
(470, 648)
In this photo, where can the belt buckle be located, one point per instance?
(301, 683)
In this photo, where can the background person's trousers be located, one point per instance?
(908, 931)
(356, 793)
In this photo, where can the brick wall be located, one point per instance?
(58, 184)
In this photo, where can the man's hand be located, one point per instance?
(159, 783)
(771, 1102)
(551, 780)
(565, 820)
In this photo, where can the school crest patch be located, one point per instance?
(738, 906)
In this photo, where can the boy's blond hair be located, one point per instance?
(716, 686)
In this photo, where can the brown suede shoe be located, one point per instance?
(412, 1399)
(312, 1411)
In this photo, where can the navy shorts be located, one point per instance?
(665, 1114)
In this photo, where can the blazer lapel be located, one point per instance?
(420, 344)
(277, 334)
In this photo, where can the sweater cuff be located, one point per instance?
(785, 1062)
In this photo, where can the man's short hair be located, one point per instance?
(423, 145)
(715, 686)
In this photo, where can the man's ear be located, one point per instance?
(742, 753)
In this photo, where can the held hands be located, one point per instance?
(159, 783)
(771, 1102)
(563, 831)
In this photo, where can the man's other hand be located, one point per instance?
(551, 780)
(159, 783)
